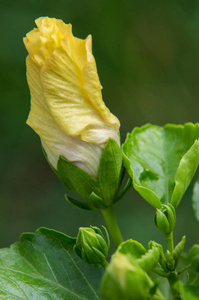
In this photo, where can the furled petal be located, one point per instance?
(67, 110)
(42, 41)
(93, 88)
(99, 135)
(55, 141)
(74, 97)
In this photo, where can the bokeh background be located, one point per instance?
(147, 54)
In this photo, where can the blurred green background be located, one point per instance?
(147, 54)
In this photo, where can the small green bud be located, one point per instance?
(194, 257)
(153, 244)
(178, 250)
(170, 262)
(165, 218)
(91, 245)
(124, 279)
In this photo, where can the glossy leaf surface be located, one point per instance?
(162, 161)
(42, 266)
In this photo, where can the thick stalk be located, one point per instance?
(112, 224)
(176, 286)
(104, 264)
(169, 241)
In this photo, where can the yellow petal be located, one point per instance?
(55, 141)
(67, 110)
(42, 41)
(100, 134)
(75, 102)
(92, 87)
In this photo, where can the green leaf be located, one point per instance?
(185, 173)
(195, 199)
(191, 292)
(42, 266)
(76, 179)
(162, 161)
(110, 171)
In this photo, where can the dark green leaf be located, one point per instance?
(159, 161)
(195, 199)
(76, 179)
(110, 171)
(42, 266)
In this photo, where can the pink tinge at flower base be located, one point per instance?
(67, 110)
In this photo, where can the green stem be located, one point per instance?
(111, 222)
(169, 241)
(104, 264)
(183, 269)
(176, 286)
(161, 273)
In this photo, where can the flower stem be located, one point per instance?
(104, 264)
(169, 241)
(112, 224)
(183, 269)
(176, 286)
(161, 273)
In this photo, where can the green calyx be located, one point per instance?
(91, 245)
(165, 218)
(97, 193)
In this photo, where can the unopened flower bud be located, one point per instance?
(78, 132)
(67, 110)
(194, 257)
(165, 218)
(91, 245)
(124, 279)
(170, 262)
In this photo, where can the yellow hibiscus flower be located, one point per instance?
(67, 110)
